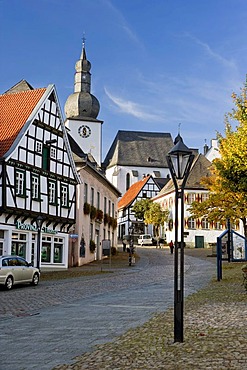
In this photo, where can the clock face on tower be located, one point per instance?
(84, 131)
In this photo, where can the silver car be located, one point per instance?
(16, 270)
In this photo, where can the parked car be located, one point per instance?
(145, 239)
(16, 270)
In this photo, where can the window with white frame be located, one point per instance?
(52, 192)
(191, 197)
(191, 223)
(218, 226)
(205, 223)
(64, 195)
(38, 147)
(35, 187)
(53, 152)
(20, 183)
(204, 197)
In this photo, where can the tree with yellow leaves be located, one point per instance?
(228, 184)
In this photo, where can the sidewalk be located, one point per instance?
(215, 334)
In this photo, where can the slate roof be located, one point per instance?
(15, 109)
(142, 149)
(200, 168)
(132, 193)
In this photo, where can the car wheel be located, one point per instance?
(9, 283)
(35, 280)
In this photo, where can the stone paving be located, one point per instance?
(215, 338)
(118, 321)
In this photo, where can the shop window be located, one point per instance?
(58, 250)
(20, 183)
(64, 195)
(1, 248)
(35, 187)
(18, 246)
(45, 251)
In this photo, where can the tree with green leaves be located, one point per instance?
(140, 207)
(228, 184)
(156, 216)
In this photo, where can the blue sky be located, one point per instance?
(155, 63)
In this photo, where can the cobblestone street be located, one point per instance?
(52, 324)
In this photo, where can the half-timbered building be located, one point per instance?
(37, 176)
(146, 188)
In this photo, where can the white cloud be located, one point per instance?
(131, 108)
(216, 56)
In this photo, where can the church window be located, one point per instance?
(20, 183)
(127, 181)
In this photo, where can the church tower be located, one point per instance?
(82, 109)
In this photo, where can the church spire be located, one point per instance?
(82, 103)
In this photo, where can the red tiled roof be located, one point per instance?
(14, 111)
(132, 193)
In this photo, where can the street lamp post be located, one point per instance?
(131, 244)
(179, 160)
(39, 222)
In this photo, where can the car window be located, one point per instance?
(22, 262)
(13, 262)
(5, 262)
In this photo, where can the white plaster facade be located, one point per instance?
(97, 191)
(117, 175)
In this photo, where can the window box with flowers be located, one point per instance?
(99, 215)
(93, 212)
(86, 208)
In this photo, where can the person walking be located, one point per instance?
(171, 245)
